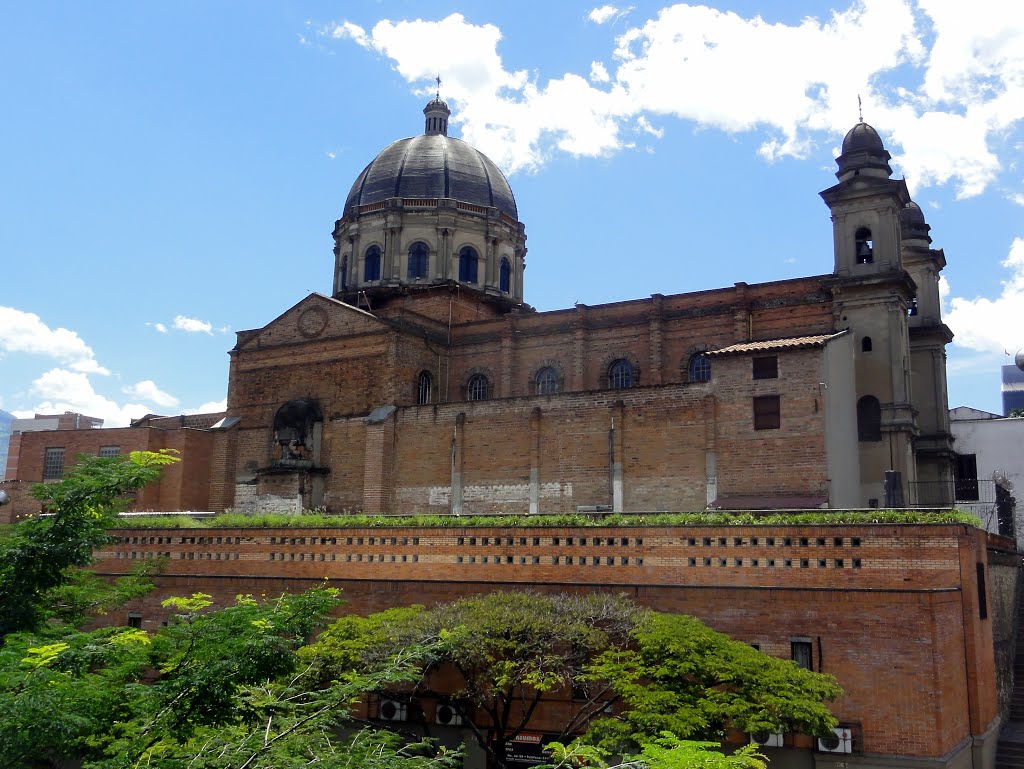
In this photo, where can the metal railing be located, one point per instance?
(949, 493)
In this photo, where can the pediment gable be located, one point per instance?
(317, 317)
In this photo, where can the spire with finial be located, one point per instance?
(437, 113)
(860, 109)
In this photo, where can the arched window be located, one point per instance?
(621, 374)
(344, 272)
(865, 344)
(467, 264)
(869, 419)
(505, 276)
(865, 246)
(699, 368)
(478, 388)
(371, 265)
(546, 381)
(424, 388)
(418, 255)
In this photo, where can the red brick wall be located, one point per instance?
(916, 691)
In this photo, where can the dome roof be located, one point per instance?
(433, 166)
(862, 137)
(912, 222)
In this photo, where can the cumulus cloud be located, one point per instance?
(990, 325)
(944, 82)
(607, 13)
(192, 325)
(25, 332)
(161, 327)
(62, 390)
(210, 407)
(147, 391)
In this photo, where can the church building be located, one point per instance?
(425, 382)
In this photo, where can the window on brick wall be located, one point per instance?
(425, 388)
(766, 367)
(801, 652)
(547, 381)
(109, 451)
(767, 412)
(621, 374)
(135, 621)
(699, 368)
(53, 464)
(478, 388)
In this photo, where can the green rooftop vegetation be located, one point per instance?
(318, 520)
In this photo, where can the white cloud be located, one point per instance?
(210, 407)
(943, 82)
(25, 332)
(63, 390)
(147, 391)
(991, 325)
(192, 325)
(607, 13)
(331, 155)
(162, 328)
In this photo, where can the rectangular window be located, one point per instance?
(767, 412)
(802, 654)
(766, 367)
(53, 464)
(135, 621)
(109, 451)
(966, 478)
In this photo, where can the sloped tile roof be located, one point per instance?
(791, 343)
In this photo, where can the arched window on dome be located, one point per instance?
(478, 388)
(869, 419)
(418, 258)
(505, 275)
(546, 381)
(864, 245)
(699, 368)
(621, 374)
(424, 388)
(371, 264)
(468, 260)
(344, 273)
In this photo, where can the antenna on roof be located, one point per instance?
(860, 111)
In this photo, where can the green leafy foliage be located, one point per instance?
(749, 518)
(37, 558)
(665, 752)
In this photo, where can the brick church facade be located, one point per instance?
(425, 383)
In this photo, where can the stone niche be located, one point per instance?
(294, 479)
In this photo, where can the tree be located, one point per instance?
(1017, 412)
(658, 674)
(40, 555)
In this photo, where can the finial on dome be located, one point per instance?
(860, 109)
(437, 114)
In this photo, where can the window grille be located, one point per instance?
(699, 368)
(109, 451)
(425, 388)
(621, 374)
(547, 381)
(478, 389)
(53, 464)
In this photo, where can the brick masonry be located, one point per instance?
(844, 587)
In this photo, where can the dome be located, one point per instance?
(912, 222)
(862, 137)
(433, 166)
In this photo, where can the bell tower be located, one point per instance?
(873, 296)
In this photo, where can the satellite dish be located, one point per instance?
(1019, 359)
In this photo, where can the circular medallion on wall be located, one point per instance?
(312, 322)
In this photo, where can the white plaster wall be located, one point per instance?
(998, 445)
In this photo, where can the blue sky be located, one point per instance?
(171, 173)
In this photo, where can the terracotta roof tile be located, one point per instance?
(791, 343)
